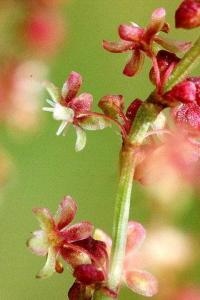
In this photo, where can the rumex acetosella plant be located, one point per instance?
(101, 265)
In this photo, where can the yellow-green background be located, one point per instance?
(47, 167)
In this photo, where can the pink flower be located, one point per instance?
(139, 41)
(139, 281)
(20, 94)
(169, 164)
(44, 32)
(55, 233)
(69, 108)
(188, 14)
(187, 115)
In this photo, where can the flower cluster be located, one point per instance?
(173, 145)
(87, 255)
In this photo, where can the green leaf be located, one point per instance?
(94, 122)
(81, 139)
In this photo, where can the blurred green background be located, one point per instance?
(47, 167)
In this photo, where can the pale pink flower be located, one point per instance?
(138, 280)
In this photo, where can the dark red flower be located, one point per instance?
(167, 61)
(184, 92)
(89, 260)
(188, 14)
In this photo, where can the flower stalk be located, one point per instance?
(145, 116)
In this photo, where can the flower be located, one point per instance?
(138, 41)
(139, 281)
(188, 14)
(166, 61)
(187, 114)
(170, 163)
(156, 252)
(90, 264)
(43, 31)
(113, 106)
(20, 93)
(69, 108)
(55, 233)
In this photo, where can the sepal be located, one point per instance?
(93, 122)
(142, 282)
(50, 265)
(112, 105)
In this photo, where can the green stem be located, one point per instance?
(100, 296)
(121, 217)
(185, 66)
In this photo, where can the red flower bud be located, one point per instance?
(166, 63)
(188, 14)
(88, 274)
(132, 111)
(184, 92)
(133, 108)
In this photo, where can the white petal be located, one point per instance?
(48, 109)
(53, 90)
(81, 139)
(50, 102)
(61, 128)
(62, 113)
(49, 267)
(65, 90)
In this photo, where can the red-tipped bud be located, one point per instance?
(184, 92)
(188, 14)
